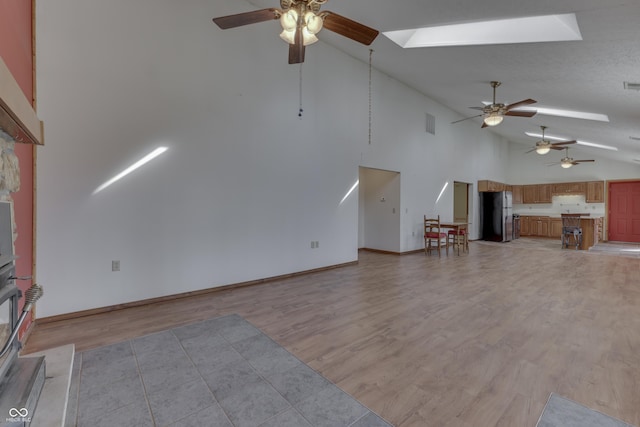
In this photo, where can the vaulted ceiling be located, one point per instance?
(586, 75)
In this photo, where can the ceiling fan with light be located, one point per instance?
(544, 146)
(301, 20)
(566, 162)
(494, 113)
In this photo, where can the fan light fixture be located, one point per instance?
(311, 24)
(566, 163)
(543, 150)
(493, 119)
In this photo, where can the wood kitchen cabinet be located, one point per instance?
(536, 193)
(486, 185)
(525, 225)
(569, 188)
(516, 191)
(595, 192)
(540, 227)
(537, 226)
(555, 227)
(544, 193)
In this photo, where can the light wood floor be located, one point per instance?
(477, 340)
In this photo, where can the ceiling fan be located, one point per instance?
(544, 146)
(494, 113)
(566, 162)
(301, 20)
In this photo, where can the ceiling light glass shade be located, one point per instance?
(313, 21)
(543, 150)
(307, 38)
(566, 164)
(289, 20)
(493, 119)
(288, 36)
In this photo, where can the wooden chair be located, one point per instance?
(457, 238)
(434, 237)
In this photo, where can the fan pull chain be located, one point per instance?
(300, 110)
(370, 66)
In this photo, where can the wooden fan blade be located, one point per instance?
(478, 108)
(553, 164)
(521, 113)
(484, 125)
(533, 149)
(582, 161)
(240, 19)
(296, 50)
(563, 143)
(556, 148)
(467, 118)
(521, 103)
(348, 28)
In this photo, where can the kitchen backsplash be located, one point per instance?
(560, 205)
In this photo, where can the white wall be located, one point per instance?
(246, 185)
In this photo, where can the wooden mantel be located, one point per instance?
(17, 116)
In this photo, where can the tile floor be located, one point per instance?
(220, 372)
(562, 412)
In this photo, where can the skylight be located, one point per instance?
(530, 29)
(572, 114)
(585, 143)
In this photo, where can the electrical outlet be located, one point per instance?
(115, 265)
(317, 244)
(313, 244)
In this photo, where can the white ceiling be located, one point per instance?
(585, 75)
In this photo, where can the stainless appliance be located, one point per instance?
(496, 216)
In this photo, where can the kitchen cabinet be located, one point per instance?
(544, 193)
(516, 191)
(537, 226)
(536, 193)
(540, 227)
(569, 188)
(487, 185)
(525, 222)
(555, 227)
(595, 192)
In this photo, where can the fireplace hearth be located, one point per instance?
(21, 378)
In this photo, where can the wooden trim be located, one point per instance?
(17, 116)
(380, 251)
(91, 312)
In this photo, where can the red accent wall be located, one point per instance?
(16, 49)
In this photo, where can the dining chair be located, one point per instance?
(458, 237)
(434, 237)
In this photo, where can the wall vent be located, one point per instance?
(635, 138)
(631, 86)
(431, 124)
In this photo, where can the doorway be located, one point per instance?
(460, 201)
(379, 210)
(624, 211)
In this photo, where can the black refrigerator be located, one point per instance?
(496, 216)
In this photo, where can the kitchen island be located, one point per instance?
(551, 226)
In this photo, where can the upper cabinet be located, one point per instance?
(569, 188)
(595, 192)
(536, 193)
(516, 191)
(543, 193)
(487, 185)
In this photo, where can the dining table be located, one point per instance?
(458, 226)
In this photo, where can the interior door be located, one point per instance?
(624, 211)
(460, 202)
